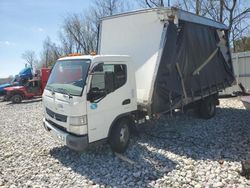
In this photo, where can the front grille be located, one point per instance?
(58, 117)
(57, 126)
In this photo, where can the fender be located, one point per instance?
(11, 93)
(127, 115)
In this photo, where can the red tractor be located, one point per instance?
(34, 88)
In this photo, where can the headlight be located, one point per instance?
(77, 120)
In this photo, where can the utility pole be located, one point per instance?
(46, 59)
(198, 7)
(221, 10)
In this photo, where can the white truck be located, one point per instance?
(150, 61)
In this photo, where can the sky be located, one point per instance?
(24, 24)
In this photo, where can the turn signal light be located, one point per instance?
(92, 53)
(69, 55)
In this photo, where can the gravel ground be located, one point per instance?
(181, 151)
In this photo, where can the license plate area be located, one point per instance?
(58, 136)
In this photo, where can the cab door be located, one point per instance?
(109, 96)
(34, 88)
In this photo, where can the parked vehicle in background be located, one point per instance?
(241, 64)
(151, 62)
(19, 80)
(33, 88)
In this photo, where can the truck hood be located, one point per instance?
(13, 88)
(4, 86)
(61, 104)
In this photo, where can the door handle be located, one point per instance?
(126, 101)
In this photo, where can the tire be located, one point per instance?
(5, 98)
(119, 136)
(16, 98)
(207, 108)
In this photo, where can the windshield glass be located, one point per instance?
(25, 71)
(68, 77)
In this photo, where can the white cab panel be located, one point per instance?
(101, 114)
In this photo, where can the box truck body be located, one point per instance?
(150, 61)
(167, 53)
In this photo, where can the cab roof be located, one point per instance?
(98, 57)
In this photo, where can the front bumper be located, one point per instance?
(77, 143)
(2, 92)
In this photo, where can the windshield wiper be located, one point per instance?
(50, 89)
(64, 91)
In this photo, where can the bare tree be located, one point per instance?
(50, 53)
(238, 19)
(80, 32)
(103, 8)
(243, 44)
(234, 13)
(30, 57)
(67, 43)
(78, 35)
(153, 3)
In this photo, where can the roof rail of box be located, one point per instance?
(178, 14)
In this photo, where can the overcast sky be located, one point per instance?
(26, 23)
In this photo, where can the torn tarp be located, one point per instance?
(193, 50)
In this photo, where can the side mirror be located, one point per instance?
(95, 94)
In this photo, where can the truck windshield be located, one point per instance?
(68, 77)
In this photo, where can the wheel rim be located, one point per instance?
(17, 98)
(124, 135)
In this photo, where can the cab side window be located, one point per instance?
(120, 73)
(98, 81)
(116, 74)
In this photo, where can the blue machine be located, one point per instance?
(20, 79)
(26, 73)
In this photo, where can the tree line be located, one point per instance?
(79, 32)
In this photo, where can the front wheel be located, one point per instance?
(119, 137)
(16, 98)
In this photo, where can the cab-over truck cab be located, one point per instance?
(89, 99)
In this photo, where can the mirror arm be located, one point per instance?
(90, 98)
(100, 99)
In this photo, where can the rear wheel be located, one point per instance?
(119, 137)
(16, 98)
(207, 108)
